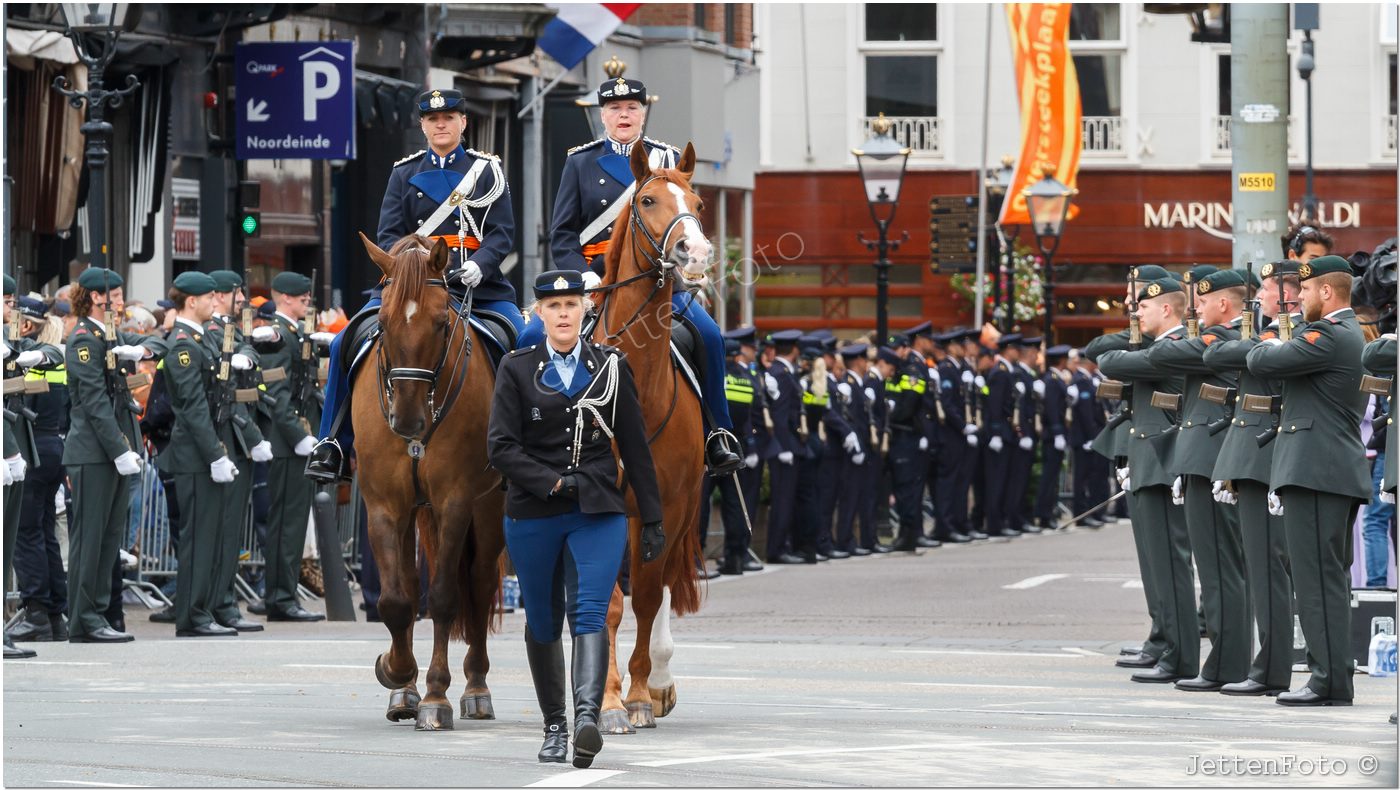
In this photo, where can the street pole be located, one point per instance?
(980, 295)
(1259, 73)
(1309, 197)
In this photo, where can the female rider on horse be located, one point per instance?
(596, 182)
(558, 407)
(445, 192)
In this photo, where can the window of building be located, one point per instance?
(901, 22)
(700, 15)
(1095, 22)
(1100, 83)
(731, 23)
(1097, 46)
(1223, 85)
(1390, 73)
(901, 85)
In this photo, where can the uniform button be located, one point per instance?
(420, 222)
(604, 201)
(601, 181)
(420, 194)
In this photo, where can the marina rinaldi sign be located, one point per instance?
(295, 100)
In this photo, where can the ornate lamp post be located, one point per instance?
(997, 184)
(1047, 203)
(881, 162)
(94, 28)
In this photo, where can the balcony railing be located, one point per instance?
(1390, 135)
(1220, 143)
(919, 133)
(1102, 135)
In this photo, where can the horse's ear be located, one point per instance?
(438, 256)
(380, 257)
(687, 163)
(641, 165)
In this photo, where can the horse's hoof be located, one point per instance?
(640, 715)
(663, 701)
(614, 722)
(434, 716)
(477, 706)
(403, 704)
(381, 674)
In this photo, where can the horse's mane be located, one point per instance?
(411, 271)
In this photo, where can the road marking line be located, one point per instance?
(1034, 581)
(1007, 653)
(61, 664)
(1081, 651)
(328, 666)
(579, 778)
(90, 784)
(984, 686)
(1133, 584)
(713, 677)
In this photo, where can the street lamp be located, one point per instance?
(1306, 64)
(94, 28)
(1047, 203)
(997, 184)
(881, 162)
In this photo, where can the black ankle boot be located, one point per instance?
(590, 670)
(721, 454)
(35, 626)
(326, 464)
(547, 671)
(60, 627)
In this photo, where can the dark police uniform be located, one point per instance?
(745, 393)
(873, 483)
(1319, 471)
(555, 428)
(1086, 419)
(953, 447)
(1054, 405)
(1023, 454)
(850, 391)
(999, 413)
(785, 448)
(909, 445)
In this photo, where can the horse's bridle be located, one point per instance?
(388, 374)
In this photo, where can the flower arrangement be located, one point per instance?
(1029, 293)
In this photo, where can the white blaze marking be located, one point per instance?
(694, 237)
(1034, 581)
(662, 646)
(410, 311)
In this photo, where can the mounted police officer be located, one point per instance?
(445, 192)
(596, 183)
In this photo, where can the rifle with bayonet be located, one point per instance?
(1193, 319)
(1118, 390)
(224, 392)
(118, 383)
(1251, 304)
(1273, 404)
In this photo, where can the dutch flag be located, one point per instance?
(570, 36)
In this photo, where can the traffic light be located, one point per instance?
(249, 201)
(251, 223)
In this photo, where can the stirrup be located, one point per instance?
(721, 453)
(326, 463)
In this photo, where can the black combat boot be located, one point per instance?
(590, 671)
(547, 671)
(721, 453)
(35, 626)
(326, 464)
(60, 626)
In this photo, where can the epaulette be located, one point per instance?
(585, 146)
(411, 157)
(660, 144)
(521, 351)
(483, 154)
(1334, 321)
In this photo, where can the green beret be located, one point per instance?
(226, 281)
(10, 285)
(1224, 278)
(1327, 264)
(1150, 272)
(1279, 268)
(291, 284)
(99, 280)
(1165, 285)
(1202, 271)
(194, 283)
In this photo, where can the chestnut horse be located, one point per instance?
(657, 238)
(422, 463)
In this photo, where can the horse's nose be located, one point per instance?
(407, 427)
(681, 246)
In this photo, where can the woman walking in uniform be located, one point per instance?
(558, 407)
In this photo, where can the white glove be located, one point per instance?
(772, 385)
(785, 457)
(995, 444)
(1121, 473)
(1060, 444)
(858, 459)
(1020, 388)
(1087, 446)
(469, 275)
(4, 350)
(304, 446)
(128, 463)
(751, 460)
(844, 389)
(979, 382)
(15, 468)
(1387, 497)
(1126, 483)
(967, 377)
(1026, 443)
(851, 443)
(1275, 504)
(265, 334)
(1072, 392)
(5, 472)
(322, 338)
(240, 362)
(1178, 498)
(130, 353)
(28, 359)
(972, 440)
(223, 470)
(1038, 387)
(870, 394)
(591, 280)
(923, 442)
(969, 430)
(262, 451)
(1272, 341)
(1221, 493)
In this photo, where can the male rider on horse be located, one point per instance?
(445, 192)
(596, 183)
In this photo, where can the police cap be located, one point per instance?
(622, 89)
(226, 281)
(899, 341)
(440, 100)
(853, 350)
(1013, 338)
(1031, 342)
(194, 283)
(785, 337)
(1056, 352)
(731, 347)
(559, 282)
(32, 308)
(744, 335)
(291, 284)
(267, 309)
(926, 328)
(97, 279)
(887, 354)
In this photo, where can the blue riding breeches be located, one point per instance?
(567, 565)
(338, 380)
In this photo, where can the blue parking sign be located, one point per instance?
(295, 100)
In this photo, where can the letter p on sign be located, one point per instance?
(320, 81)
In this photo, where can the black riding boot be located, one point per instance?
(721, 453)
(547, 671)
(590, 671)
(35, 626)
(326, 464)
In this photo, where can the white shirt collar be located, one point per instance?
(1168, 332)
(179, 319)
(1334, 312)
(289, 318)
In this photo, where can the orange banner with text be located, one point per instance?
(1048, 87)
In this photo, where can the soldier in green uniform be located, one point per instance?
(251, 446)
(1213, 526)
(1241, 476)
(198, 459)
(1161, 305)
(289, 423)
(1379, 360)
(1319, 468)
(102, 452)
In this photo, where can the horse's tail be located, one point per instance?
(466, 611)
(680, 573)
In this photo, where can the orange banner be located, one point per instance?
(1048, 87)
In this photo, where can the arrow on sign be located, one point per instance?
(257, 110)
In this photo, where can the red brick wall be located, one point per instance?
(665, 15)
(683, 15)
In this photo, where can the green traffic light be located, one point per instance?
(250, 224)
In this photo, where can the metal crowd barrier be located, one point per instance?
(155, 556)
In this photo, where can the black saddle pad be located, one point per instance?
(496, 330)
